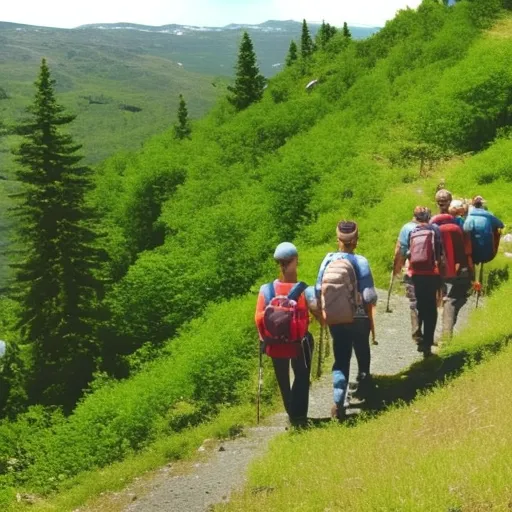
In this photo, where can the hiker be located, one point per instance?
(443, 200)
(294, 345)
(456, 269)
(400, 262)
(346, 293)
(484, 230)
(423, 249)
(459, 211)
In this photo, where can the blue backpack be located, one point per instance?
(484, 240)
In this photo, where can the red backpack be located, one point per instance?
(422, 259)
(283, 321)
(452, 237)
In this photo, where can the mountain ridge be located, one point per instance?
(360, 30)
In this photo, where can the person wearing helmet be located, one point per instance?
(299, 355)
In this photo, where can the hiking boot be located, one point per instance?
(298, 422)
(427, 352)
(417, 336)
(364, 386)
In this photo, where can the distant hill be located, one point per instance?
(124, 79)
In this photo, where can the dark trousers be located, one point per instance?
(295, 396)
(426, 288)
(415, 322)
(346, 337)
(455, 295)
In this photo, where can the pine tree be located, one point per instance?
(182, 129)
(249, 84)
(306, 43)
(292, 54)
(324, 34)
(346, 32)
(55, 280)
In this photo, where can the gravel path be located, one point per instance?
(224, 467)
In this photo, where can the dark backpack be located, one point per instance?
(422, 250)
(454, 252)
(283, 321)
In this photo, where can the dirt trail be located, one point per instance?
(223, 465)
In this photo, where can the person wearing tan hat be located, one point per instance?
(355, 334)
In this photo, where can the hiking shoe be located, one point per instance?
(364, 386)
(298, 422)
(418, 339)
(427, 352)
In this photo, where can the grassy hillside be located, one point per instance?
(427, 96)
(449, 450)
(123, 81)
(121, 93)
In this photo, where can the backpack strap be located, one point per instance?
(297, 290)
(269, 292)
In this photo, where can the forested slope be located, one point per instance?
(193, 223)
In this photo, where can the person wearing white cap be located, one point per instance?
(298, 354)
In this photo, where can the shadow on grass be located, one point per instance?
(404, 387)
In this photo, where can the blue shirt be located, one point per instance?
(362, 270)
(404, 236)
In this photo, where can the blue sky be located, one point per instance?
(69, 13)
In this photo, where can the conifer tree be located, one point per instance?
(324, 34)
(55, 280)
(292, 54)
(182, 128)
(249, 84)
(346, 31)
(306, 43)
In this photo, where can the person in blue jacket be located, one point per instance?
(355, 335)
(484, 228)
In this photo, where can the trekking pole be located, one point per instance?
(320, 352)
(481, 282)
(260, 383)
(371, 318)
(389, 291)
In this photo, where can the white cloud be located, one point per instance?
(64, 13)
